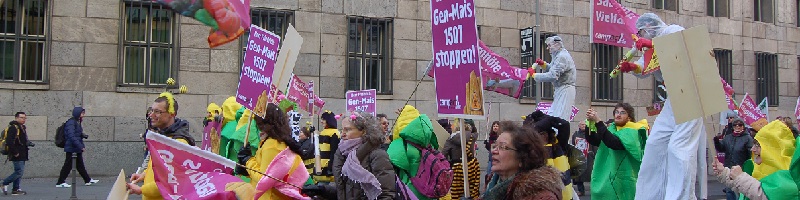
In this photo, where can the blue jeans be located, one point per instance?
(19, 168)
(729, 194)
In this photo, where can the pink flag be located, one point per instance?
(729, 95)
(575, 111)
(497, 74)
(797, 111)
(612, 23)
(280, 167)
(299, 93)
(750, 113)
(544, 106)
(185, 172)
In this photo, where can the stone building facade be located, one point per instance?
(89, 54)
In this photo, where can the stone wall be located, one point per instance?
(84, 60)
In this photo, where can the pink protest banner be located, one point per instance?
(362, 101)
(255, 79)
(797, 111)
(228, 19)
(186, 172)
(299, 93)
(729, 95)
(544, 106)
(274, 92)
(613, 24)
(750, 113)
(498, 75)
(575, 111)
(454, 35)
(211, 136)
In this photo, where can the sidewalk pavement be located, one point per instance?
(45, 189)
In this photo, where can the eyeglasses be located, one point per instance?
(502, 146)
(620, 112)
(156, 111)
(738, 124)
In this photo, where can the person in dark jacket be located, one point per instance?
(73, 136)
(307, 147)
(17, 142)
(579, 141)
(163, 120)
(788, 122)
(362, 170)
(736, 147)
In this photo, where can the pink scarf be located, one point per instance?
(352, 168)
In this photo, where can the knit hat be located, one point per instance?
(330, 119)
(445, 123)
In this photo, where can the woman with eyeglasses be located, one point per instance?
(619, 153)
(772, 173)
(519, 164)
(361, 169)
(736, 147)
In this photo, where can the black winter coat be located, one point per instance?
(736, 148)
(17, 141)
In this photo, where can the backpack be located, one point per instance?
(577, 161)
(434, 176)
(60, 139)
(3, 145)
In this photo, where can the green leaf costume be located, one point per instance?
(615, 171)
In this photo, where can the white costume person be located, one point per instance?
(561, 72)
(674, 154)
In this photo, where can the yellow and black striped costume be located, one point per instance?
(474, 174)
(559, 160)
(328, 143)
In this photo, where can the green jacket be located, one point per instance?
(615, 177)
(233, 137)
(406, 157)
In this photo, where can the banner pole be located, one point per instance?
(247, 133)
(464, 157)
(317, 157)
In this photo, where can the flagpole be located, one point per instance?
(268, 176)
(247, 133)
(464, 157)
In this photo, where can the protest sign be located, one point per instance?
(362, 101)
(454, 35)
(255, 79)
(612, 23)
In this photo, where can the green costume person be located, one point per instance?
(774, 170)
(233, 134)
(416, 128)
(621, 147)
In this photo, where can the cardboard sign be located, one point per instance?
(454, 38)
(612, 23)
(362, 101)
(688, 66)
(256, 76)
(120, 188)
(287, 57)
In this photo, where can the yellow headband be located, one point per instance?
(170, 101)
